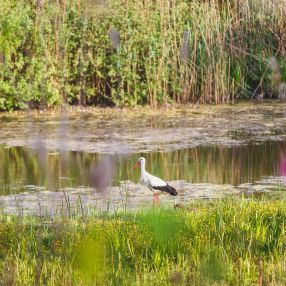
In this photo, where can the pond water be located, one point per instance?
(47, 161)
(21, 168)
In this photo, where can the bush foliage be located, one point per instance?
(120, 52)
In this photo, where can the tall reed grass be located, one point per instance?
(181, 51)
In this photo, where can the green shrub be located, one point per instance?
(53, 52)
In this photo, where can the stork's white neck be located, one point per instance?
(143, 168)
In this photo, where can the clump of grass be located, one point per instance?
(237, 242)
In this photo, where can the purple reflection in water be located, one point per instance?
(282, 169)
(101, 175)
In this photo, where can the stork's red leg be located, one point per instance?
(156, 199)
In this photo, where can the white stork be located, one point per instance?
(153, 183)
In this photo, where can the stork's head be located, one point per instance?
(141, 162)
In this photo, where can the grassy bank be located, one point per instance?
(229, 242)
(119, 52)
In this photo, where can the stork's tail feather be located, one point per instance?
(172, 191)
(168, 189)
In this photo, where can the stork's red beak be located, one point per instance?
(137, 165)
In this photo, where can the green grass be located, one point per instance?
(227, 242)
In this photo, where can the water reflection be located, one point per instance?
(20, 166)
(282, 169)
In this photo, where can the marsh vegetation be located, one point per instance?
(125, 53)
(72, 215)
(222, 242)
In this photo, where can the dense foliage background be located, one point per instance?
(128, 52)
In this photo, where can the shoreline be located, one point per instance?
(79, 109)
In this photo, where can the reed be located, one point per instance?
(126, 53)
